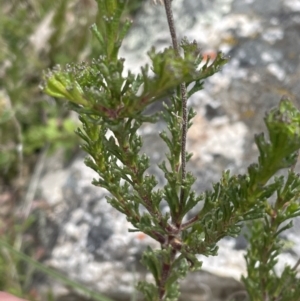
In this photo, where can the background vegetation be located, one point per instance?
(34, 36)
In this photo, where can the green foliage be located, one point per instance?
(35, 36)
(15, 274)
(111, 107)
(262, 282)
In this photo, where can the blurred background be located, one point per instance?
(34, 36)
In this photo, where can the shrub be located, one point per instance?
(111, 109)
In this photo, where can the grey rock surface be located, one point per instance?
(90, 241)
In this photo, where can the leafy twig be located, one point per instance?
(183, 92)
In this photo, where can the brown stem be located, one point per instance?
(167, 265)
(189, 223)
(171, 23)
(166, 270)
(183, 93)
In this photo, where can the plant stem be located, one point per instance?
(171, 23)
(183, 93)
(165, 275)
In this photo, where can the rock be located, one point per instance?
(205, 286)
